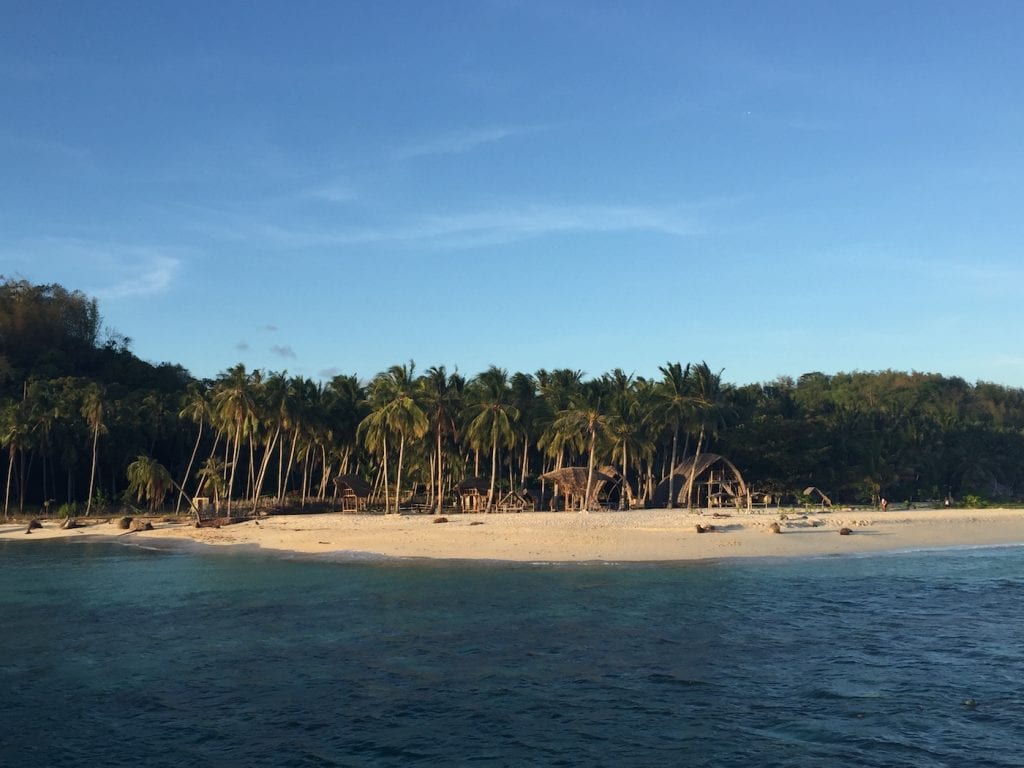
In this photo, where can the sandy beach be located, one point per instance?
(635, 536)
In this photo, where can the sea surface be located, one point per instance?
(111, 655)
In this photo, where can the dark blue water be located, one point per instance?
(115, 656)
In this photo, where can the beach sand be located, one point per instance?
(635, 536)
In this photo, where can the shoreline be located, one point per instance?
(637, 536)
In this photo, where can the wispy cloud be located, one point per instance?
(283, 351)
(113, 270)
(269, 328)
(486, 227)
(243, 346)
(459, 142)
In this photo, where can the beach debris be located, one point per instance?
(125, 523)
(141, 525)
(720, 515)
(783, 516)
(775, 528)
(970, 703)
(440, 519)
(845, 531)
(705, 528)
(32, 525)
(477, 522)
(70, 523)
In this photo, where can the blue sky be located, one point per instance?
(332, 187)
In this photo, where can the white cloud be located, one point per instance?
(283, 351)
(459, 142)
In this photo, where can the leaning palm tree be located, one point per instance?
(148, 480)
(441, 394)
(233, 400)
(492, 418)
(709, 412)
(195, 408)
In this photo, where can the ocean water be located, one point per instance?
(116, 656)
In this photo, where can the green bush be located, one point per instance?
(67, 510)
(973, 502)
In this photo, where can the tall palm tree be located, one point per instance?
(492, 418)
(441, 394)
(395, 410)
(233, 401)
(92, 411)
(675, 405)
(195, 408)
(709, 411)
(15, 432)
(585, 417)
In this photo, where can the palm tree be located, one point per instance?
(442, 397)
(15, 433)
(148, 480)
(396, 412)
(709, 411)
(92, 411)
(492, 418)
(234, 405)
(195, 408)
(585, 417)
(674, 407)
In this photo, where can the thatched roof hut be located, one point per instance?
(472, 493)
(716, 483)
(811, 492)
(572, 483)
(353, 492)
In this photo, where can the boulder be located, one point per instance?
(440, 519)
(32, 525)
(141, 525)
(125, 523)
(775, 528)
(845, 531)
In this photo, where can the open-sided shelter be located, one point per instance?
(572, 484)
(716, 483)
(352, 492)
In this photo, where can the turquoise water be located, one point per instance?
(116, 656)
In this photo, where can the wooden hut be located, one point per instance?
(716, 483)
(353, 493)
(572, 484)
(472, 494)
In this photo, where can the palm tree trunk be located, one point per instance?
(693, 472)
(92, 471)
(10, 471)
(672, 470)
(625, 492)
(494, 471)
(387, 490)
(263, 469)
(590, 472)
(398, 476)
(234, 464)
(440, 475)
(184, 480)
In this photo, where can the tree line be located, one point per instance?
(86, 424)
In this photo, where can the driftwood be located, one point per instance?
(70, 523)
(125, 523)
(32, 525)
(440, 519)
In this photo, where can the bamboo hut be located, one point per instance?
(472, 493)
(516, 501)
(572, 484)
(716, 483)
(353, 492)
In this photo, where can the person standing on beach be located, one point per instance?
(883, 504)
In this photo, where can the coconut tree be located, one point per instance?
(195, 408)
(394, 412)
(148, 480)
(585, 417)
(492, 418)
(709, 410)
(674, 406)
(92, 410)
(233, 402)
(15, 434)
(441, 395)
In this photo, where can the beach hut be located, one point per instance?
(572, 484)
(353, 492)
(516, 501)
(716, 483)
(472, 494)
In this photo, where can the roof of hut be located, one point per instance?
(686, 466)
(355, 483)
(573, 480)
(473, 484)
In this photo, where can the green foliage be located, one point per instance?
(68, 510)
(971, 501)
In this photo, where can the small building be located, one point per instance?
(472, 494)
(352, 492)
(716, 483)
(572, 485)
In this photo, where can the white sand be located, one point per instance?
(642, 535)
